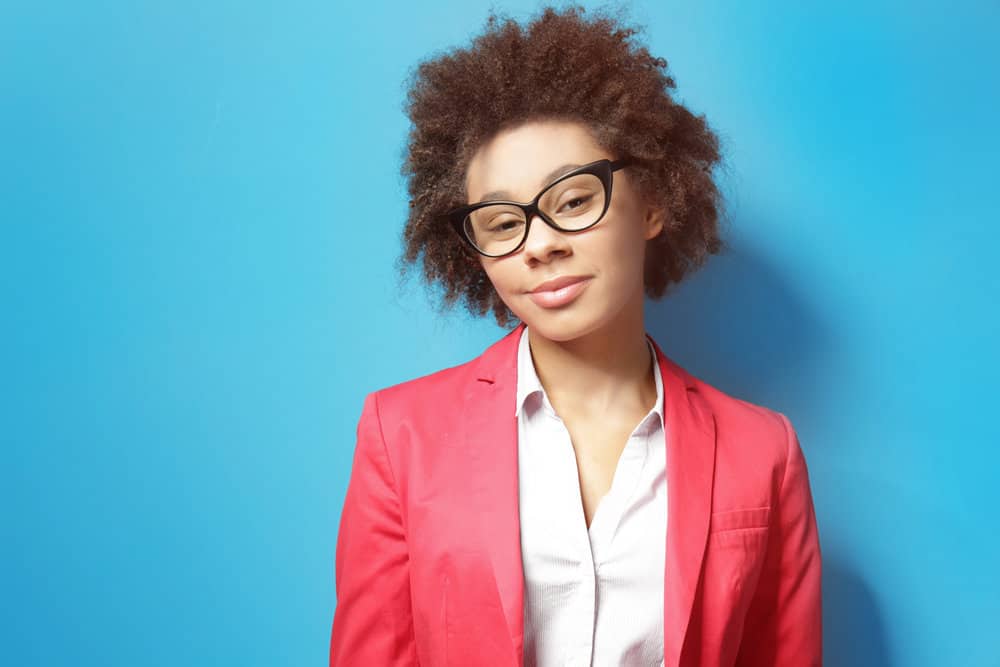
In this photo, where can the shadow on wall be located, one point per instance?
(853, 633)
(738, 325)
(742, 328)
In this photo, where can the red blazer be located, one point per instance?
(428, 557)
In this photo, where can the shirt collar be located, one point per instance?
(528, 382)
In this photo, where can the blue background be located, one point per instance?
(201, 206)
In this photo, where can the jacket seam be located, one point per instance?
(385, 449)
(788, 454)
(402, 518)
(388, 461)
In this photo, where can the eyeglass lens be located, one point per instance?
(573, 204)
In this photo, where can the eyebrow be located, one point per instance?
(551, 176)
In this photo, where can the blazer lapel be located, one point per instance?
(491, 443)
(491, 437)
(690, 439)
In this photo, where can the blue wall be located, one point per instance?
(201, 206)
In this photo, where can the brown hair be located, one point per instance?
(559, 66)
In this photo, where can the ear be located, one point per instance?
(654, 221)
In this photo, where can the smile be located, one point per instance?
(559, 297)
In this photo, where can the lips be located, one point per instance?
(557, 283)
(561, 292)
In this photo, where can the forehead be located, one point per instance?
(518, 162)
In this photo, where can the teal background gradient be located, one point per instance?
(201, 207)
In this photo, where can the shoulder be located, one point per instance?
(741, 415)
(737, 423)
(440, 394)
(426, 394)
(749, 436)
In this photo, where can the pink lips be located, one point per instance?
(553, 298)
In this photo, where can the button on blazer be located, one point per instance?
(428, 558)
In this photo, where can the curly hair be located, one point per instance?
(559, 66)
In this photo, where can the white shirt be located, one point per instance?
(591, 597)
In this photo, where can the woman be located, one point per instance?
(571, 496)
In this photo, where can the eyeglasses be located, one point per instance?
(573, 202)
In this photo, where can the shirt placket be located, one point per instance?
(579, 651)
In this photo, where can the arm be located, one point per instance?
(373, 622)
(784, 622)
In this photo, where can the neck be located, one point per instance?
(606, 371)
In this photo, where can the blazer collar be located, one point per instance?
(491, 435)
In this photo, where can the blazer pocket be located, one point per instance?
(741, 519)
(745, 528)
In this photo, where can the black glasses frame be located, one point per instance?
(603, 169)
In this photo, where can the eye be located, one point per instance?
(505, 225)
(577, 201)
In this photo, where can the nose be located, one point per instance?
(544, 242)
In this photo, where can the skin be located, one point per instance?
(590, 355)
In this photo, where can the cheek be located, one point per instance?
(620, 252)
(503, 279)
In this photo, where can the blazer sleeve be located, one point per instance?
(783, 625)
(373, 621)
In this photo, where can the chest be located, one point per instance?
(596, 451)
(592, 527)
(597, 445)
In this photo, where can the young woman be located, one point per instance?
(571, 496)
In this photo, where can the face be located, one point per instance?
(608, 256)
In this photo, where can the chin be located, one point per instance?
(562, 324)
